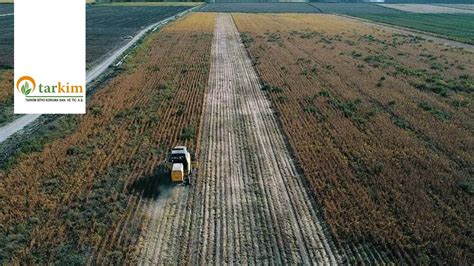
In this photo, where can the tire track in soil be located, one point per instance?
(249, 204)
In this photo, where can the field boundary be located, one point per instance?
(424, 34)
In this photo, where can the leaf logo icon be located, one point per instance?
(26, 88)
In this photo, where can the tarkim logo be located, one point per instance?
(26, 85)
(59, 91)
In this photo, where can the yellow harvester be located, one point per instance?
(181, 167)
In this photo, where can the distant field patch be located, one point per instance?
(154, 4)
(6, 41)
(260, 8)
(109, 27)
(459, 27)
(427, 9)
(459, 6)
(6, 9)
(353, 8)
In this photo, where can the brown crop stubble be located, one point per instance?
(6, 95)
(130, 125)
(6, 85)
(386, 170)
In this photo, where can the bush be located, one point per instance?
(188, 133)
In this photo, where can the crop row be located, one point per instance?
(78, 197)
(379, 123)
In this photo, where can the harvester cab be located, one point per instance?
(181, 168)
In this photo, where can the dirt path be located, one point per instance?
(249, 204)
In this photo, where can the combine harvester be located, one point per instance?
(181, 165)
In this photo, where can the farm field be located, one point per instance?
(458, 27)
(140, 3)
(59, 207)
(6, 9)
(459, 6)
(6, 96)
(249, 205)
(353, 8)
(109, 27)
(379, 117)
(259, 7)
(6, 63)
(6, 37)
(427, 9)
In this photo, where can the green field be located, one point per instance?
(459, 27)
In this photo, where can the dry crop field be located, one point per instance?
(77, 197)
(6, 95)
(381, 124)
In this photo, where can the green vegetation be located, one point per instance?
(246, 39)
(6, 112)
(440, 86)
(188, 133)
(434, 111)
(56, 128)
(467, 185)
(459, 27)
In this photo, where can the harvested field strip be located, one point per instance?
(82, 196)
(367, 122)
(245, 157)
(249, 204)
